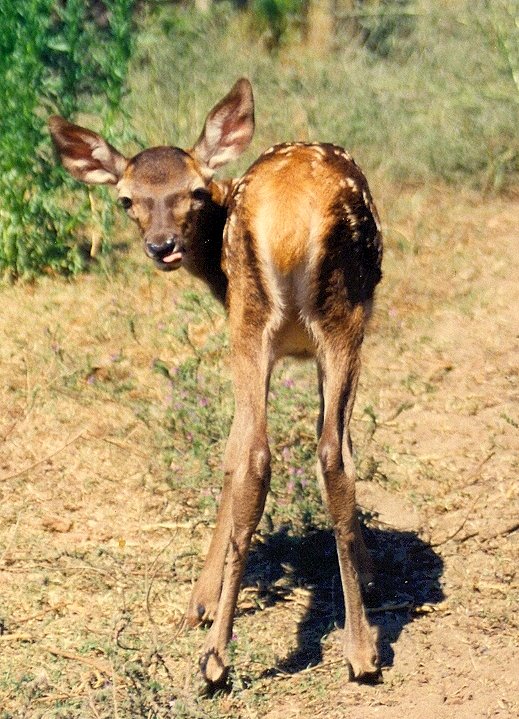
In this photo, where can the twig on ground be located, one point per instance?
(148, 584)
(92, 705)
(16, 637)
(96, 664)
(454, 534)
(474, 474)
(38, 615)
(114, 693)
(502, 532)
(41, 461)
(119, 630)
(325, 666)
(123, 447)
(178, 525)
(60, 697)
(508, 529)
(159, 660)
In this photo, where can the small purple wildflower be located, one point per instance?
(288, 383)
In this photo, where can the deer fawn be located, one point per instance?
(293, 249)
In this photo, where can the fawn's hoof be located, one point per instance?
(215, 670)
(363, 657)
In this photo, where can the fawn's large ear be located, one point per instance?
(85, 154)
(228, 128)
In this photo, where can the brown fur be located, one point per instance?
(294, 251)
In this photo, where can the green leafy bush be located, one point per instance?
(54, 58)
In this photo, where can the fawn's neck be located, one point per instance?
(206, 264)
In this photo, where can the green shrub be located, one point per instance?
(54, 58)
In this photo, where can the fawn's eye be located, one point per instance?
(125, 202)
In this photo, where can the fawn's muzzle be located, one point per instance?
(167, 254)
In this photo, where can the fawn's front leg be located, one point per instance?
(206, 592)
(248, 491)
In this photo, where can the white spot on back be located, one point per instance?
(341, 152)
(239, 188)
(373, 210)
(286, 150)
(353, 220)
(319, 150)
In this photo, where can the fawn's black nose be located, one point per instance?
(157, 249)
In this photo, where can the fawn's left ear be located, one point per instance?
(228, 128)
(85, 154)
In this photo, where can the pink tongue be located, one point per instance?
(173, 257)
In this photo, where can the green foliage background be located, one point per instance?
(53, 59)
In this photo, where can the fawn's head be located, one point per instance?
(165, 190)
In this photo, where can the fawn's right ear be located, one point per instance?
(228, 128)
(85, 154)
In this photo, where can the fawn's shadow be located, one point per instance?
(407, 571)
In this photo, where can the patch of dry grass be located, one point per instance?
(106, 504)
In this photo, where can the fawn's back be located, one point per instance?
(303, 222)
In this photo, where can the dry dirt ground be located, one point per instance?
(98, 551)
